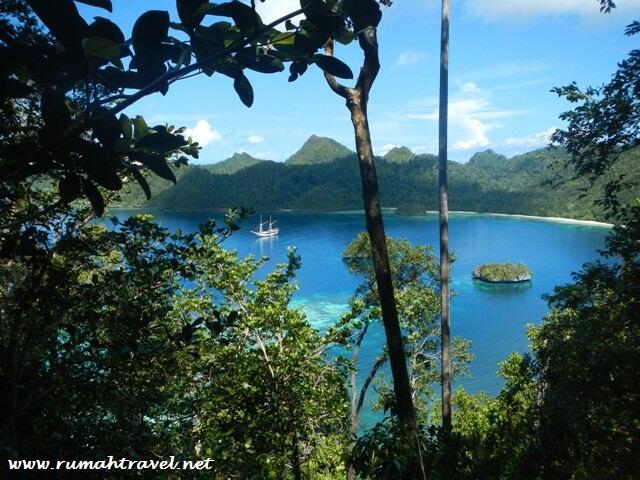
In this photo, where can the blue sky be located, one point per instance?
(505, 56)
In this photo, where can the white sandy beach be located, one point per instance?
(532, 217)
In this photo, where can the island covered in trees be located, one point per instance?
(502, 273)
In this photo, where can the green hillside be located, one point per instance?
(132, 195)
(318, 150)
(233, 164)
(532, 184)
(399, 155)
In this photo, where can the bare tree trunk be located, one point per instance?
(357, 99)
(445, 320)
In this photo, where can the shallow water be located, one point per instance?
(493, 317)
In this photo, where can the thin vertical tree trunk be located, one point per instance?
(445, 320)
(357, 99)
(295, 458)
(375, 228)
(444, 224)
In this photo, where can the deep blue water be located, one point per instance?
(492, 317)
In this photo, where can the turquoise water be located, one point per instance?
(492, 317)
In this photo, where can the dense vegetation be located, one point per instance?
(233, 164)
(318, 150)
(525, 184)
(502, 272)
(128, 340)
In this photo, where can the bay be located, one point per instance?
(493, 317)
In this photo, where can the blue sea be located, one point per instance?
(493, 317)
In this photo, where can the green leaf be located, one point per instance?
(208, 42)
(363, 13)
(161, 142)
(321, 17)
(295, 45)
(243, 15)
(141, 129)
(106, 4)
(260, 63)
(284, 38)
(141, 180)
(156, 163)
(103, 175)
(69, 188)
(100, 47)
(94, 196)
(106, 127)
(149, 31)
(187, 12)
(55, 113)
(127, 127)
(333, 66)
(62, 19)
(104, 28)
(244, 89)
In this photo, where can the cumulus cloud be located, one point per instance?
(408, 59)
(255, 139)
(471, 117)
(539, 139)
(522, 9)
(203, 133)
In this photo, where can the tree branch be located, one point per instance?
(331, 80)
(77, 128)
(355, 420)
(368, 40)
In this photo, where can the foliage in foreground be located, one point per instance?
(138, 343)
(603, 127)
(569, 409)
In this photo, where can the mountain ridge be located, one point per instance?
(233, 164)
(533, 183)
(318, 150)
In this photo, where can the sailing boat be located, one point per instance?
(266, 232)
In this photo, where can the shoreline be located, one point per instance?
(572, 221)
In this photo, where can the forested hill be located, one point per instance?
(318, 150)
(233, 164)
(524, 184)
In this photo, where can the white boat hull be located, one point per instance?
(266, 233)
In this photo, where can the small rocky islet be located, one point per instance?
(502, 273)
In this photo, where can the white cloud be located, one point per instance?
(408, 59)
(387, 148)
(539, 139)
(271, 10)
(255, 139)
(472, 116)
(522, 9)
(203, 133)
